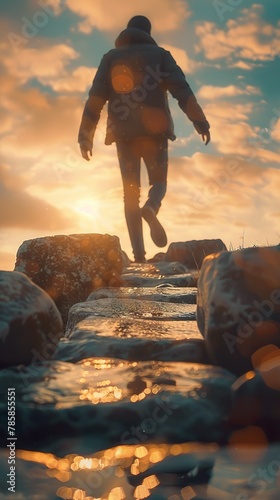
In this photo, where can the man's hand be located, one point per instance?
(203, 129)
(86, 153)
(86, 149)
(206, 137)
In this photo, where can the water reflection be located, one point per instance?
(134, 472)
(108, 475)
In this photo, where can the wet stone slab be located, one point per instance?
(134, 339)
(163, 273)
(129, 308)
(108, 402)
(140, 280)
(160, 293)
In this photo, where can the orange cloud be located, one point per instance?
(19, 209)
(46, 63)
(181, 57)
(79, 80)
(275, 132)
(165, 15)
(247, 37)
(39, 122)
(212, 93)
(219, 197)
(231, 132)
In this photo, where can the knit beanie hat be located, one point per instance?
(141, 23)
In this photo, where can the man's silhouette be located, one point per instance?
(134, 78)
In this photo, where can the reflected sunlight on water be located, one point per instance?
(124, 461)
(140, 471)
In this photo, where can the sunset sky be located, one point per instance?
(229, 52)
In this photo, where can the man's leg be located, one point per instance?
(129, 162)
(156, 160)
(155, 155)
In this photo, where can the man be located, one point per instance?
(134, 78)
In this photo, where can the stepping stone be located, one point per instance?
(174, 295)
(182, 280)
(191, 253)
(134, 340)
(129, 308)
(146, 402)
(147, 275)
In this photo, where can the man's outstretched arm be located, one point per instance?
(179, 88)
(98, 95)
(196, 115)
(90, 118)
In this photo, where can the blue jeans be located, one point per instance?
(154, 151)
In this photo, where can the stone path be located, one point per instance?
(130, 407)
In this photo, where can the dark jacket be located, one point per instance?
(134, 78)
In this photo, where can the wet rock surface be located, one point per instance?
(137, 278)
(30, 324)
(134, 402)
(171, 294)
(144, 340)
(210, 472)
(129, 308)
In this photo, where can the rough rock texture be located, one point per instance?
(191, 253)
(129, 308)
(173, 295)
(134, 340)
(30, 324)
(68, 268)
(152, 276)
(238, 306)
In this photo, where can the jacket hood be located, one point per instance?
(130, 36)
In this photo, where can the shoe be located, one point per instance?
(140, 260)
(158, 233)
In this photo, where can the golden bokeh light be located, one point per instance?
(151, 482)
(97, 395)
(122, 79)
(248, 444)
(141, 452)
(117, 494)
(154, 120)
(141, 492)
(267, 361)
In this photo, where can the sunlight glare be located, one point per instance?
(88, 208)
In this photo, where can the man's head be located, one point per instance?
(141, 23)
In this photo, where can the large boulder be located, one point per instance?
(191, 253)
(69, 268)
(30, 324)
(238, 306)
